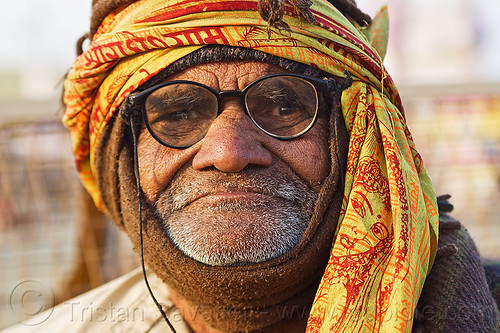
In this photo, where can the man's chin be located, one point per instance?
(233, 232)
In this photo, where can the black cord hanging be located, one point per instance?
(134, 128)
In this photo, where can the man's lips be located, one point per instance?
(238, 195)
(231, 195)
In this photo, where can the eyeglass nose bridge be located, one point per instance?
(231, 93)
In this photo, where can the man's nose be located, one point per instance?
(232, 143)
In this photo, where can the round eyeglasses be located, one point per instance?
(179, 113)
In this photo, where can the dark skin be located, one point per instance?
(233, 143)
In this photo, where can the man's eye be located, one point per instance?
(283, 111)
(179, 115)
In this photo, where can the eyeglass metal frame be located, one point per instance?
(139, 99)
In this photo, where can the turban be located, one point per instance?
(386, 236)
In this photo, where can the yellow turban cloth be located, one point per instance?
(387, 233)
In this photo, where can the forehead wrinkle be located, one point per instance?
(217, 75)
(208, 77)
(244, 74)
(199, 74)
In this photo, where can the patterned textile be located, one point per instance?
(386, 238)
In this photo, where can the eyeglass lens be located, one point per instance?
(180, 114)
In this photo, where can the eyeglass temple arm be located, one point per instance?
(339, 84)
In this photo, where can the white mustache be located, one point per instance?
(188, 188)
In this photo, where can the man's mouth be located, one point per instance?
(237, 195)
(219, 195)
(231, 195)
(251, 186)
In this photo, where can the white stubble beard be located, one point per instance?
(264, 225)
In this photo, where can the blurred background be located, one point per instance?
(443, 56)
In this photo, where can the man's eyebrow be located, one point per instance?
(181, 96)
(276, 91)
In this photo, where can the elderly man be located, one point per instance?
(257, 155)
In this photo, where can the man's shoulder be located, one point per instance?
(121, 305)
(456, 296)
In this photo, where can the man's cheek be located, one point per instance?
(152, 178)
(312, 162)
(158, 166)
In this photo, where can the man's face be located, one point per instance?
(238, 195)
